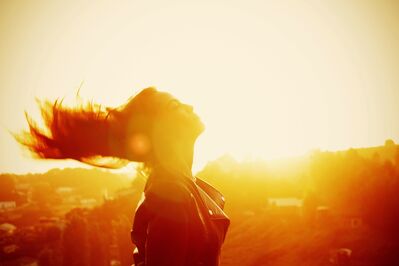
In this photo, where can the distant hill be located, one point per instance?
(389, 151)
(291, 167)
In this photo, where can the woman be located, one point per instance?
(180, 220)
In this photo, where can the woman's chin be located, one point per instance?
(197, 129)
(199, 125)
(202, 127)
(195, 123)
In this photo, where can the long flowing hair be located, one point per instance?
(89, 132)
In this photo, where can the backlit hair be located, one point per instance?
(91, 133)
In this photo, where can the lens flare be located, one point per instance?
(139, 144)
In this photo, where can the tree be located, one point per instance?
(75, 240)
(7, 188)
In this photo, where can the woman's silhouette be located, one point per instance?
(180, 220)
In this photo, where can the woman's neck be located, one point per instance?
(179, 160)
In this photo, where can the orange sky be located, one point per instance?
(268, 78)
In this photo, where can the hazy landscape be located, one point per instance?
(324, 208)
(314, 83)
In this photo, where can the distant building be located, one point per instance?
(286, 207)
(7, 205)
(28, 262)
(49, 220)
(8, 249)
(347, 218)
(88, 203)
(351, 220)
(114, 262)
(323, 215)
(285, 202)
(52, 221)
(64, 190)
(340, 256)
(7, 229)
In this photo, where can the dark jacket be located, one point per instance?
(179, 222)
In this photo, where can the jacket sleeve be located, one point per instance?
(167, 230)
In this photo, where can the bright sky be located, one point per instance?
(268, 78)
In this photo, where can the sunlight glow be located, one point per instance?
(268, 78)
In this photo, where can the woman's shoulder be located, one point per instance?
(168, 190)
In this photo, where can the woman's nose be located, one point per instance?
(189, 108)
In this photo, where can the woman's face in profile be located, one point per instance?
(163, 126)
(178, 117)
